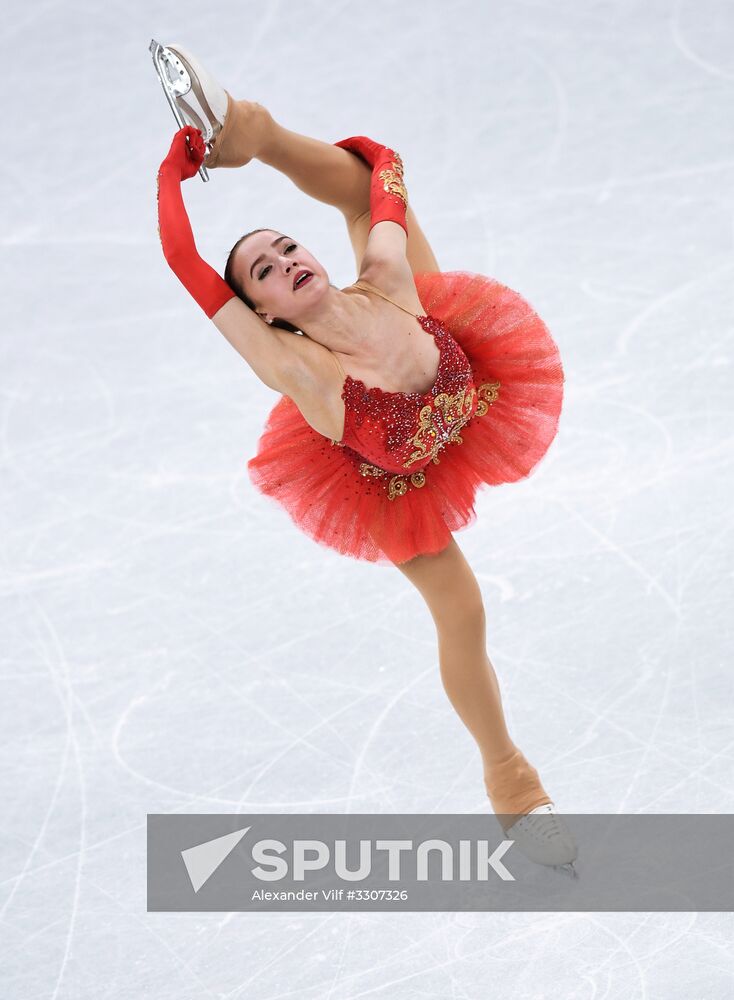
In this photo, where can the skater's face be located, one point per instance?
(268, 264)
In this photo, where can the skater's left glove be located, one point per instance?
(388, 194)
(184, 158)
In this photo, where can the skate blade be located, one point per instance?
(170, 90)
(568, 868)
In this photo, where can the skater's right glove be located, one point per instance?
(174, 229)
(388, 195)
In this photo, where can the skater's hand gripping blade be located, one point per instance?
(162, 60)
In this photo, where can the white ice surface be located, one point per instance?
(172, 643)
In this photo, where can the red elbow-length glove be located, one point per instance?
(388, 195)
(177, 239)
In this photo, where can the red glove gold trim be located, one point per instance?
(388, 194)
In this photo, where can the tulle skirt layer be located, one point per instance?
(320, 485)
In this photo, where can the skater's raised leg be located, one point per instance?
(337, 177)
(245, 130)
(321, 170)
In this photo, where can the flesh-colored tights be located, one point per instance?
(445, 580)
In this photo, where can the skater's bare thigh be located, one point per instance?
(448, 586)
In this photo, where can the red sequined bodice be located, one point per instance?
(406, 473)
(401, 432)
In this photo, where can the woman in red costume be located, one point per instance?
(400, 395)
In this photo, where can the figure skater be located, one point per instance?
(400, 395)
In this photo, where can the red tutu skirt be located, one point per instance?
(320, 486)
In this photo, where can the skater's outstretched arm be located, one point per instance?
(266, 350)
(385, 254)
(177, 239)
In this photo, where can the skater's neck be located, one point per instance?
(337, 322)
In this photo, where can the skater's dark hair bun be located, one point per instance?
(237, 288)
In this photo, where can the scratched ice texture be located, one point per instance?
(171, 643)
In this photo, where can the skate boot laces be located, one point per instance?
(542, 835)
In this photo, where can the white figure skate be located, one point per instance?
(195, 98)
(544, 838)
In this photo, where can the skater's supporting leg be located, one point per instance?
(323, 171)
(454, 600)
